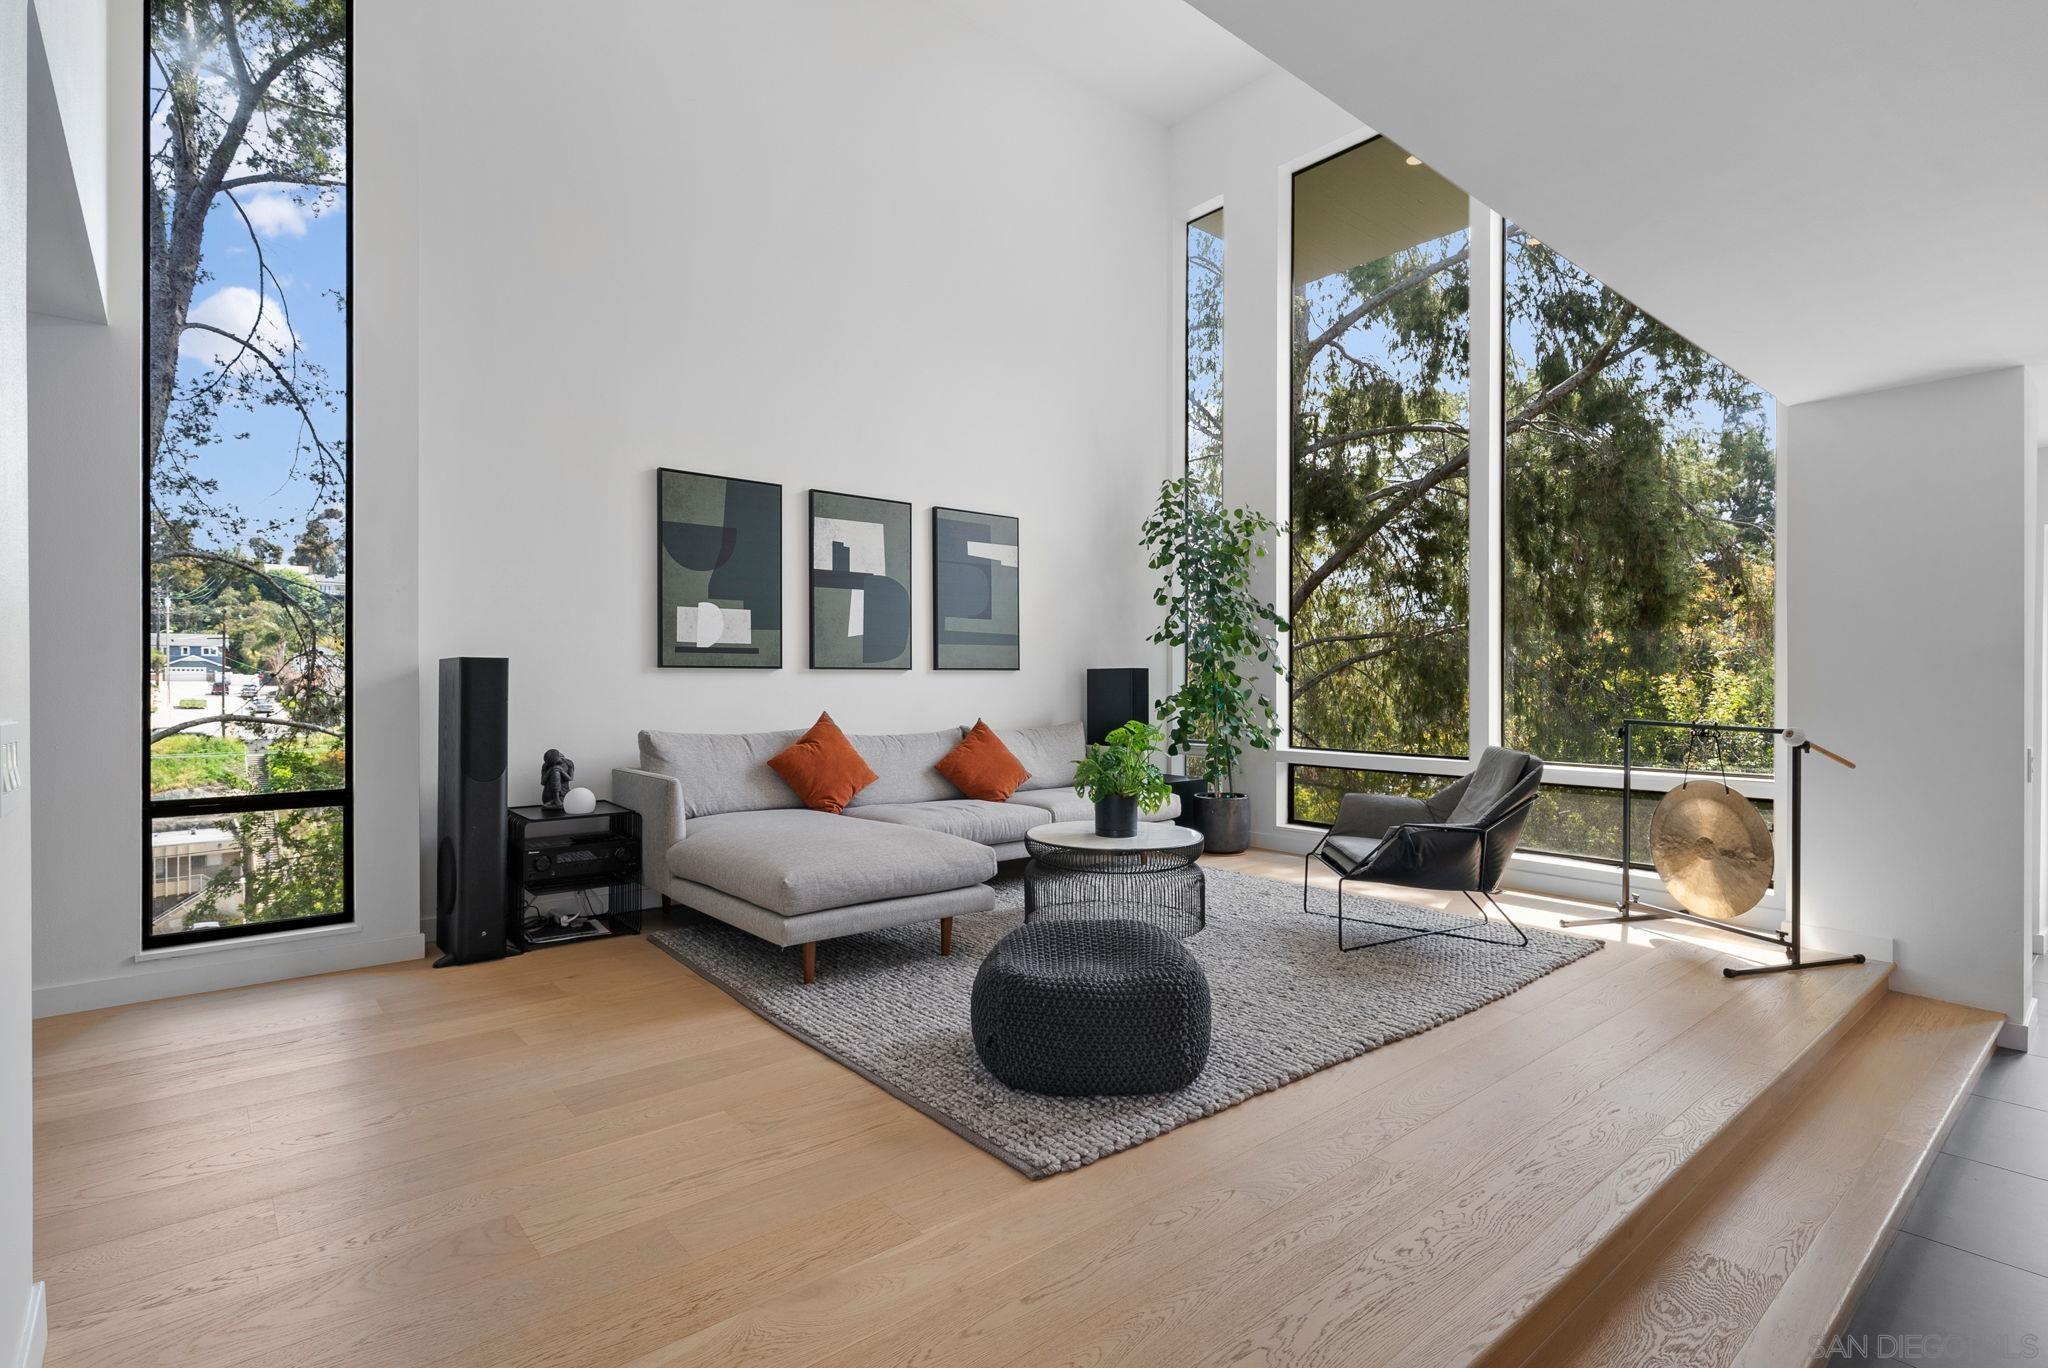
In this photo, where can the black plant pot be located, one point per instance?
(1116, 815)
(1225, 821)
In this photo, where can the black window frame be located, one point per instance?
(293, 800)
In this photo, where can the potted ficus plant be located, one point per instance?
(1206, 552)
(1119, 777)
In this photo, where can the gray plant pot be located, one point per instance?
(1225, 821)
(1116, 815)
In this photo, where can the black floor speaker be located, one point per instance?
(469, 914)
(1114, 698)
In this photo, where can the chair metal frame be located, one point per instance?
(1363, 872)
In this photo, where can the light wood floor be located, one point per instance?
(587, 1156)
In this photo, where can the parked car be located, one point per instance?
(263, 707)
(251, 689)
(220, 688)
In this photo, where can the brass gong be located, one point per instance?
(1712, 849)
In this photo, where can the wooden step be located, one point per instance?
(1760, 1258)
(1443, 1206)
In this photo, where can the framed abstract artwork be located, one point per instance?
(719, 572)
(974, 591)
(860, 582)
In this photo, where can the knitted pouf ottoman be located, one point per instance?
(1091, 1008)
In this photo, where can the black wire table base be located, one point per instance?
(1162, 888)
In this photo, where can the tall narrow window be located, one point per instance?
(1205, 353)
(1639, 478)
(246, 468)
(1379, 519)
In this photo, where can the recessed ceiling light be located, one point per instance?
(1415, 161)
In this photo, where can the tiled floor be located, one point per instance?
(1966, 1281)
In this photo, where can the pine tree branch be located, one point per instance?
(1344, 321)
(1411, 493)
(1389, 430)
(1302, 688)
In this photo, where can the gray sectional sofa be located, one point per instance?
(722, 834)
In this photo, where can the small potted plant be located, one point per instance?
(1119, 777)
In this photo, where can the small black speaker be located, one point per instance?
(1116, 697)
(470, 909)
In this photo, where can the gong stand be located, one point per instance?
(1633, 909)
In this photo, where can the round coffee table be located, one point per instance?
(1151, 877)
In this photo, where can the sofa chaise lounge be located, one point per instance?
(722, 834)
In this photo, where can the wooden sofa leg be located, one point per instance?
(945, 935)
(810, 949)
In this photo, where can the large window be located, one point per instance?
(1635, 507)
(246, 468)
(1378, 513)
(1204, 447)
(1639, 479)
(1638, 506)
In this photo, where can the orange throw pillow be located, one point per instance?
(823, 767)
(981, 766)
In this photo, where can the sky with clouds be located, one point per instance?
(296, 310)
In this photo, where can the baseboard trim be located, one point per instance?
(1835, 940)
(35, 1330)
(2019, 1035)
(204, 974)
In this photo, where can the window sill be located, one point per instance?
(271, 941)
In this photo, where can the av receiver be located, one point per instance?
(599, 857)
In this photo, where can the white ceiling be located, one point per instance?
(1831, 195)
(1158, 57)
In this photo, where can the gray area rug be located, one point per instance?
(1285, 1003)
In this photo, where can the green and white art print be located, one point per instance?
(974, 591)
(860, 582)
(720, 568)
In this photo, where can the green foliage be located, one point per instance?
(1319, 790)
(1122, 767)
(291, 868)
(188, 761)
(1380, 531)
(1638, 520)
(316, 762)
(1206, 553)
(316, 549)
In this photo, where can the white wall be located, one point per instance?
(851, 246)
(1633, 139)
(84, 483)
(68, 226)
(857, 247)
(1909, 540)
(1242, 150)
(19, 1304)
